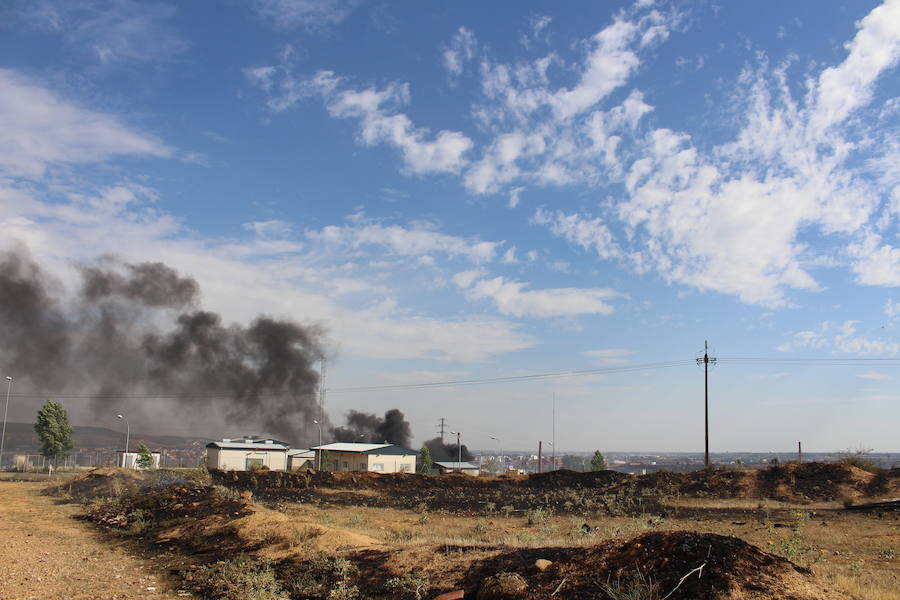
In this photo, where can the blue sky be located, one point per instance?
(456, 193)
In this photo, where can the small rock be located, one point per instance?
(542, 564)
(246, 495)
(502, 586)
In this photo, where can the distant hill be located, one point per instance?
(21, 439)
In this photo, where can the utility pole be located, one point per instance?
(540, 443)
(443, 428)
(799, 453)
(706, 361)
(553, 443)
(322, 374)
(458, 449)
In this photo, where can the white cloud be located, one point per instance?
(445, 152)
(892, 309)
(406, 241)
(876, 263)
(730, 220)
(513, 299)
(376, 109)
(841, 338)
(461, 51)
(553, 135)
(111, 31)
(269, 229)
(610, 356)
(874, 376)
(589, 233)
(39, 129)
(465, 279)
(311, 15)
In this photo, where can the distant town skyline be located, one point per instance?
(451, 194)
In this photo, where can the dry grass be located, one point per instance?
(847, 552)
(862, 581)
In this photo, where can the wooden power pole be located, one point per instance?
(706, 361)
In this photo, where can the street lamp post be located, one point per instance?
(319, 452)
(499, 450)
(127, 438)
(458, 448)
(5, 410)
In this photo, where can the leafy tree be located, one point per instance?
(144, 457)
(489, 465)
(598, 463)
(425, 459)
(53, 430)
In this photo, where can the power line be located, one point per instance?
(737, 360)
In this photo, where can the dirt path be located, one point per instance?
(45, 553)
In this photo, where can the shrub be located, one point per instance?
(537, 516)
(413, 585)
(240, 578)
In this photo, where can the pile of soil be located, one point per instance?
(731, 569)
(102, 482)
(824, 481)
(566, 491)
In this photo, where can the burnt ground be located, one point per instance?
(309, 534)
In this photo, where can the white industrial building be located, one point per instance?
(245, 454)
(379, 458)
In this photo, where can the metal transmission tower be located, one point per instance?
(706, 360)
(442, 428)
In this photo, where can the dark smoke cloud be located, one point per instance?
(369, 428)
(135, 330)
(447, 452)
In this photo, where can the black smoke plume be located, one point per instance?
(369, 428)
(136, 331)
(447, 452)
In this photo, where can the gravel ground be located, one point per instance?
(46, 553)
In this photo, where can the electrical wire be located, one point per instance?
(733, 360)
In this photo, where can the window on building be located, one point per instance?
(362, 466)
(346, 466)
(378, 466)
(405, 468)
(253, 463)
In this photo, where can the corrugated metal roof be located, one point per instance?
(253, 445)
(350, 447)
(456, 465)
(302, 454)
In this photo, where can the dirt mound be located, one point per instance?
(102, 482)
(731, 569)
(821, 481)
(574, 479)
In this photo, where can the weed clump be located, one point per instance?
(240, 578)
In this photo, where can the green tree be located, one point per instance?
(144, 457)
(53, 430)
(598, 463)
(425, 459)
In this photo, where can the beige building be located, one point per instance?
(468, 468)
(244, 454)
(379, 458)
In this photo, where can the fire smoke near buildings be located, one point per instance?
(134, 335)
